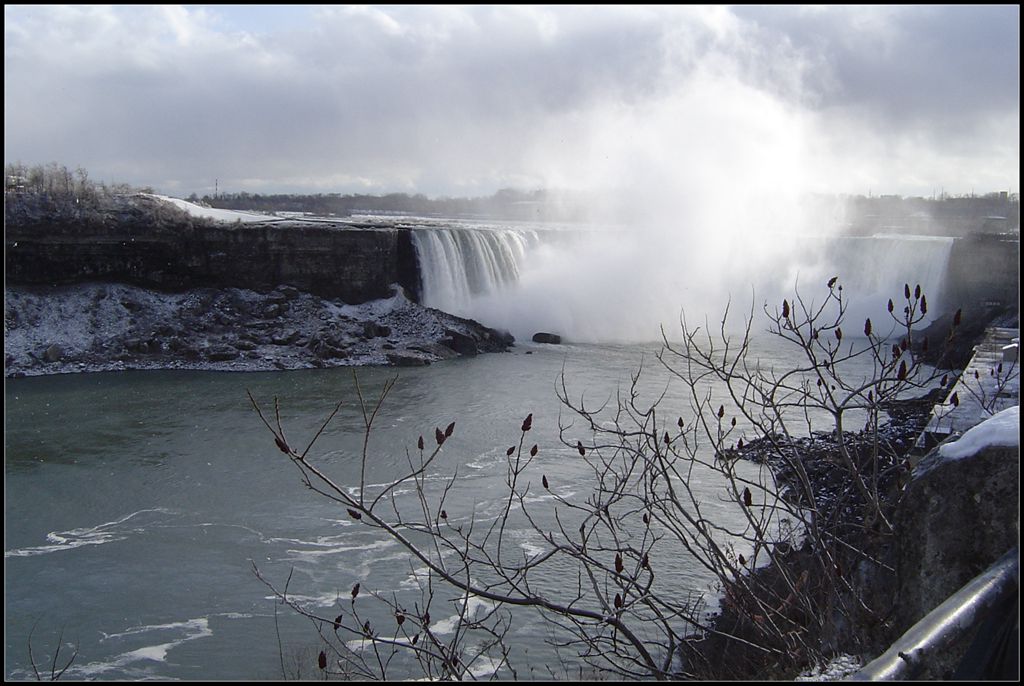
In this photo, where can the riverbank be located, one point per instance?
(113, 326)
(841, 610)
(823, 610)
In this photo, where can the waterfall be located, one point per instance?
(458, 266)
(877, 267)
(606, 286)
(872, 269)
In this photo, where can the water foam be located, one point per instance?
(106, 532)
(193, 629)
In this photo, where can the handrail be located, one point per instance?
(946, 623)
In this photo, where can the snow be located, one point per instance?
(989, 384)
(100, 326)
(839, 667)
(1002, 429)
(219, 215)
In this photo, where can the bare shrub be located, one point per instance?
(829, 495)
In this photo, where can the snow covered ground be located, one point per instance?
(990, 383)
(216, 214)
(838, 668)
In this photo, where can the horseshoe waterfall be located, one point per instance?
(460, 265)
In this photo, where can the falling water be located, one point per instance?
(875, 268)
(457, 265)
(518, 279)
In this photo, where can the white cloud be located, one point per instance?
(463, 100)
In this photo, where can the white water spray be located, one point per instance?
(583, 286)
(715, 176)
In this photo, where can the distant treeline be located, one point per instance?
(506, 203)
(55, 191)
(946, 215)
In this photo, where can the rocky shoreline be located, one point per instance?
(868, 567)
(949, 524)
(91, 327)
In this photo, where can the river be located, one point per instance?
(138, 502)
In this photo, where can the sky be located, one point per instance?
(637, 101)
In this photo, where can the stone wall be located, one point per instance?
(328, 260)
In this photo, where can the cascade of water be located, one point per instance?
(605, 287)
(875, 268)
(458, 265)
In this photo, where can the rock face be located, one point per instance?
(958, 517)
(952, 519)
(328, 260)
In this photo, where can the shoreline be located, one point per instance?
(868, 566)
(110, 326)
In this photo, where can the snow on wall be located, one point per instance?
(1002, 429)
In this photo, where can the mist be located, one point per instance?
(699, 132)
(709, 194)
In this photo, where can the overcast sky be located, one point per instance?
(462, 100)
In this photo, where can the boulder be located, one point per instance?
(177, 344)
(375, 330)
(276, 298)
(326, 347)
(542, 337)
(285, 338)
(53, 353)
(493, 340)
(438, 350)
(404, 360)
(135, 345)
(289, 292)
(461, 343)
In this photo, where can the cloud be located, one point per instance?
(463, 100)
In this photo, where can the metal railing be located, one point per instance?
(947, 624)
